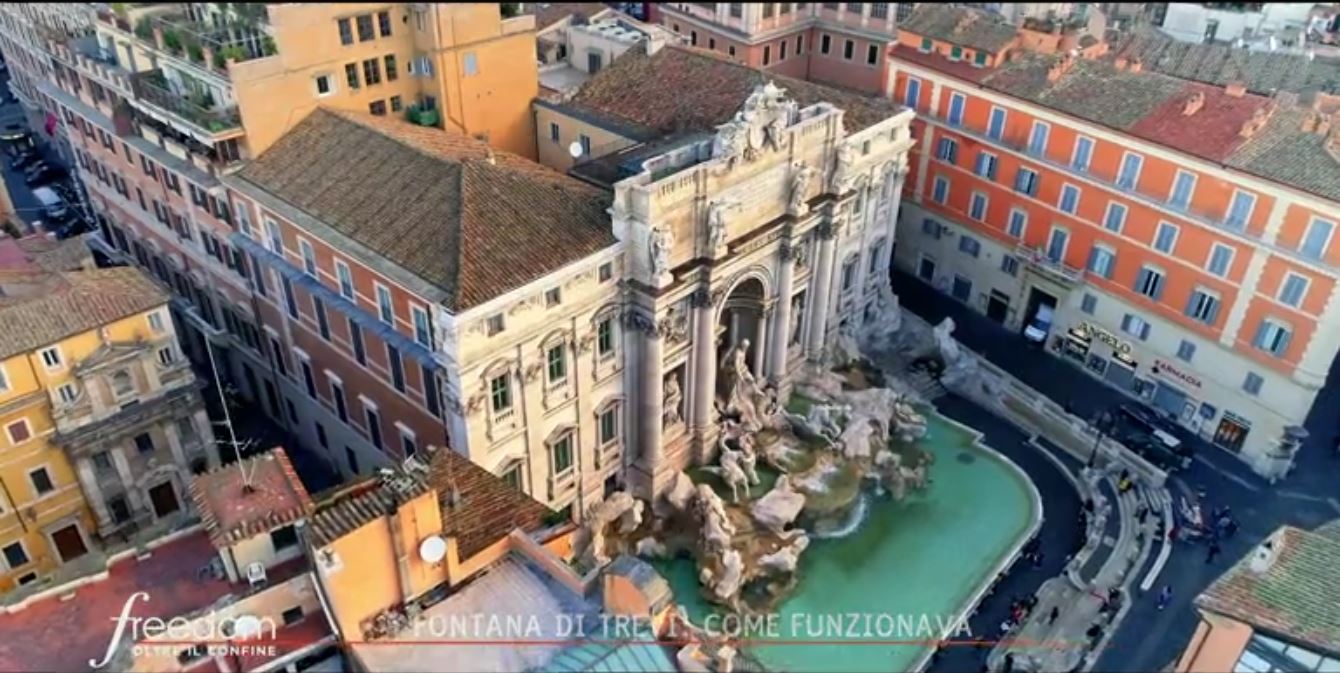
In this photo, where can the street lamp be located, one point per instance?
(1101, 422)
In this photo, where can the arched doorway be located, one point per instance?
(742, 317)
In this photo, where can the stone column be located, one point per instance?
(651, 390)
(174, 444)
(733, 332)
(823, 287)
(88, 479)
(203, 428)
(781, 328)
(761, 343)
(704, 359)
(127, 479)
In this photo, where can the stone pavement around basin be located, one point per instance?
(1148, 639)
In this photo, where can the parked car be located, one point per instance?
(14, 132)
(1161, 428)
(1154, 450)
(45, 175)
(24, 159)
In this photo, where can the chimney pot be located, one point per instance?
(1193, 104)
(1121, 63)
(1136, 65)
(1235, 89)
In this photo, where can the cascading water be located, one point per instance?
(855, 516)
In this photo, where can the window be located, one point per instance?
(279, 356)
(947, 150)
(1317, 239)
(351, 75)
(422, 332)
(364, 22)
(346, 31)
(1203, 306)
(825, 44)
(372, 71)
(1069, 202)
(308, 257)
(1221, 258)
(1009, 265)
(1026, 181)
(979, 59)
(119, 509)
(940, 191)
(605, 337)
(384, 309)
(585, 140)
(969, 246)
(849, 274)
(736, 9)
(1240, 210)
(1252, 383)
(18, 431)
(986, 165)
(767, 10)
(1129, 176)
(956, 103)
(324, 85)
(431, 393)
(1292, 290)
(308, 379)
(1149, 282)
(290, 299)
(1272, 337)
(384, 23)
(995, 126)
(374, 421)
(556, 363)
(283, 538)
(848, 49)
(961, 289)
(926, 45)
(730, 50)
(1056, 244)
(500, 393)
(67, 392)
(396, 105)
(1166, 238)
(1083, 154)
(408, 445)
(512, 477)
(913, 93)
(781, 49)
(800, 44)
(51, 358)
(397, 367)
(1102, 260)
(495, 324)
(377, 107)
(767, 54)
(1135, 326)
(41, 481)
(931, 228)
(1186, 351)
(609, 426)
(956, 53)
(292, 615)
(977, 207)
(606, 272)
(346, 279)
(563, 454)
(16, 556)
(165, 357)
(156, 322)
(337, 396)
(356, 342)
(872, 55)
(1183, 186)
(1088, 303)
(553, 297)
(553, 132)
(1115, 218)
(472, 64)
(1037, 138)
(876, 257)
(1018, 224)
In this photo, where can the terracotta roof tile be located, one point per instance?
(1296, 596)
(961, 26)
(1261, 72)
(550, 13)
(1211, 132)
(683, 89)
(1282, 151)
(472, 221)
(53, 306)
(70, 254)
(232, 513)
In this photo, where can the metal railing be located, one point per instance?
(151, 87)
(1044, 263)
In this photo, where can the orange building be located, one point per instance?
(1174, 238)
(1274, 610)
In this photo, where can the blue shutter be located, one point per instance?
(1191, 304)
(1158, 290)
(1019, 180)
(1093, 259)
(1214, 313)
(1260, 337)
(1140, 280)
(1126, 323)
(1284, 343)
(1144, 331)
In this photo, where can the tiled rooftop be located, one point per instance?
(232, 512)
(1262, 72)
(57, 634)
(70, 254)
(473, 222)
(681, 89)
(52, 306)
(1296, 596)
(550, 13)
(971, 28)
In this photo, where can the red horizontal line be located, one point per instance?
(261, 642)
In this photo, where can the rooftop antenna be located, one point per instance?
(228, 418)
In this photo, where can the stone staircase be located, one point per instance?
(926, 385)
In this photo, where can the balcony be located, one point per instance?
(214, 42)
(199, 111)
(1056, 270)
(423, 116)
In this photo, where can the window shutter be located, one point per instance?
(1284, 343)
(1191, 305)
(1093, 259)
(1260, 337)
(1214, 313)
(1019, 181)
(1126, 323)
(1144, 331)
(1158, 289)
(1140, 280)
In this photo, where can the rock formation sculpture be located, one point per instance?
(779, 507)
(620, 507)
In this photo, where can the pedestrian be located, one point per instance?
(1231, 528)
(1009, 664)
(1213, 551)
(1165, 596)
(1037, 560)
(1051, 616)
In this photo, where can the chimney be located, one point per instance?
(1310, 121)
(1264, 555)
(1258, 120)
(1122, 63)
(1193, 104)
(1060, 68)
(1235, 89)
(1136, 66)
(489, 157)
(158, 37)
(964, 21)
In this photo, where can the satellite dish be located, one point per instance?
(575, 149)
(246, 626)
(432, 549)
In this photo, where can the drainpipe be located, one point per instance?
(401, 556)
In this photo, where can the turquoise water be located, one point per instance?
(924, 556)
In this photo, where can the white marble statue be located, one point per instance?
(659, 243)
(717, 528)
(670, 414)
(785, 559)
(680, 494)
(620, 507)
(846, 348)
(733, 473)
(857, 437)
(732, 140)
(739, 363)
(716, 225)
(907, 423)
(945, 342)
(800, 185)
(779, 507)
(842, 165)
(823, 419)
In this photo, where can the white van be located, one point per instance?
(52, 204)
(1037, 330)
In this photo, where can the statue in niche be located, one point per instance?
(842, 165)
(673, 397)
(800, 184)
(659, 242)
(716, 224)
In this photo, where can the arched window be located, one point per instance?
(122, 384)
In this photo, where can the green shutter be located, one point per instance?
(980, 58)
(956, 53)
(925, 44)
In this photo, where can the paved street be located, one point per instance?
(1150, 639)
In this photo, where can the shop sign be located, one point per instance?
(1170, 371)
(1117, 344)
